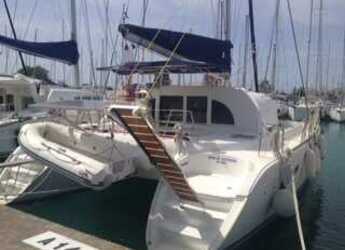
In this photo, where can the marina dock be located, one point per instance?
(113, 219)
(17, 226)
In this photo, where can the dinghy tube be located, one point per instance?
(87, 158)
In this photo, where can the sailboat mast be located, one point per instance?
(253, 42)
(275, 46)
(309, 42)
(63, 39)
(76, 72)
(14, 35)
(320, 49)
(343, 75)
(227, 21)
(246, 50)
(328, 66)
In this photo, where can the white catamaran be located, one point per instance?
(226, 163)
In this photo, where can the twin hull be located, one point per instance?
(246, 215)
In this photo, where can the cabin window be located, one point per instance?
(77, 98)
(87, 98)
(9, 103)
(1, 99)
(221, 114)
(171, 108)
(197, 107)
(98, 98)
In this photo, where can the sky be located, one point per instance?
(47, 19)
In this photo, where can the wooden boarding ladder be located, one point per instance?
(139, 128)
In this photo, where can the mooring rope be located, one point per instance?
(297, 214)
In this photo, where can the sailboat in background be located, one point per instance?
(337, 112)
(22, 177)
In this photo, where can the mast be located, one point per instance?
(328, 66)
(309, 42)
(36, 38)
(275, 47)
(74, 31)
(319, 63)
(343, 75)
(227, 20)
(63, 39)
(7, 55)
(246, 50)
(253, 43)
(14, 35)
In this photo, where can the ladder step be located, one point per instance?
(169, 168)
(141, 129)
(133, 120)
(175, 182)
(182, 189)
(157, 153)
(144, 136)
(184, 186)
(151, 144)
(155, 149)
(160, 156)
(175, 179)
(147, 139)
(159, 160)
(125, 112)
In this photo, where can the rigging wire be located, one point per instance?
(269, 56)
(292, 24)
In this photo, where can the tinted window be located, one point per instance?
(197, 106)
(170, 108)
(88, 98)
(221, 114)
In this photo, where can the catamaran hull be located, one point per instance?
(258, 210)
(246, 216)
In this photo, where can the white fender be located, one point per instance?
(283, 203)
(310, 162)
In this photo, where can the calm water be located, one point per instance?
(119, 213)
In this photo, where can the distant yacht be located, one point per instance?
(16, 94)
(337, 113)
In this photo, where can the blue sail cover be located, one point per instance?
(186, 46)
(65, 52)
(174, 67)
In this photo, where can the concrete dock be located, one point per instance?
(113, 219)
(16, 226)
